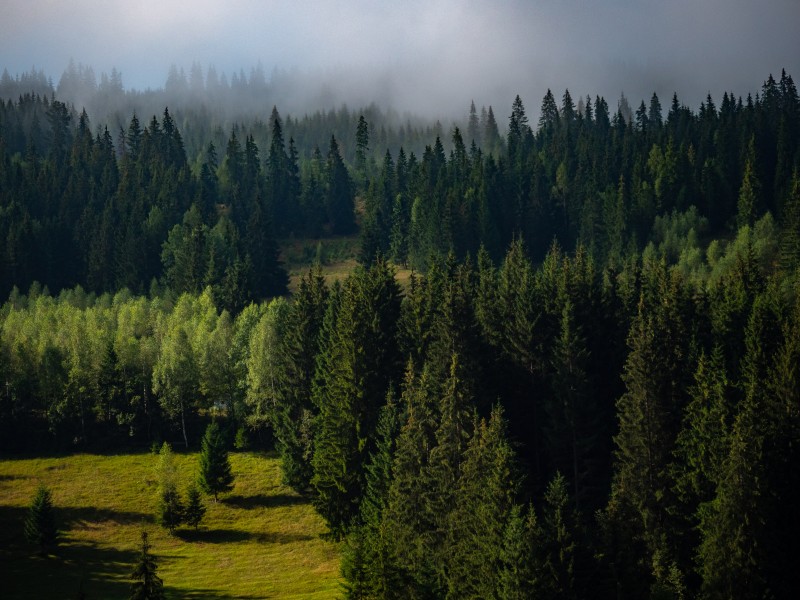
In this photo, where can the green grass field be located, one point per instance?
(261, 540)
(338, 257)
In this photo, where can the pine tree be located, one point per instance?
(648, 424)
(368, 563)
(571, 415)
(405, 516)
(40, 525)
(215, 468)
(485, 499)
(523, 573)
(295, 412)
(362, 145)
(559, 541)
(170, 510)
(749, 193)
(147, 585)
(195, 510)
(443, 471)
(361, 358)
(339, 198)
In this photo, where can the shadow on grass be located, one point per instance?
(99, 572)
(227, 536)
(264, 501)
(213, 536)
(13, 477)
(207, 594)
(72, 516)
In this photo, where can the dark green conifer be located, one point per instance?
(147, 585)
(485, 498)
(170, 509)
(195, 510)
(215, 469)
(40, 525)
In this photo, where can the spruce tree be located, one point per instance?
(485, 498)
(215, 468)
(522, 574)
(559, 540)
(195, 510)
(749, 193)
(368, 564)
(295, 410)
(40, 525)
(358, 361)
(405, 516)
(147, 585)
(170, 509)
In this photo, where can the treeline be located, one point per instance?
(206, 105)
(105, 217)
(583, 176)
(591, 176)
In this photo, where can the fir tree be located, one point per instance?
(559, 541)
(40, 525)
(215, 468)
(195, 510)
(749, 193)
(361, 357)
(170, 510)
(485, 494)
(147, 585)
(522, 574)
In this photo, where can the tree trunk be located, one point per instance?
(183, 426)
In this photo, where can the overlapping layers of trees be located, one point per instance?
(618, 420)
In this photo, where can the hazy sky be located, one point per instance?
(428, 56)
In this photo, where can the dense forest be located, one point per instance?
(588, 387)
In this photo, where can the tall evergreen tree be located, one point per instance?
(215, 474)
(194, 511)
(339, 198)
(485, 499)
(362, 358)
(147, 585)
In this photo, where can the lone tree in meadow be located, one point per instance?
(195, 511)
(215, 468)
(146, 584)
(170, 509)
(40, 526)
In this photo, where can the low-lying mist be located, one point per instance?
(427, 58)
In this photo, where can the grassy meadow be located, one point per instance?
(337, 257)
(261, 540)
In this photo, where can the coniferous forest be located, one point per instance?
(588, 386)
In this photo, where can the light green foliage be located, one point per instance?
(166, 470)
(265, 363)
(759, 242)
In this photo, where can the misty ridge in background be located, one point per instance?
(425, 58)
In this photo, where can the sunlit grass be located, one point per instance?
(261, 540)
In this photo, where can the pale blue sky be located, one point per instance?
(426, 54)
